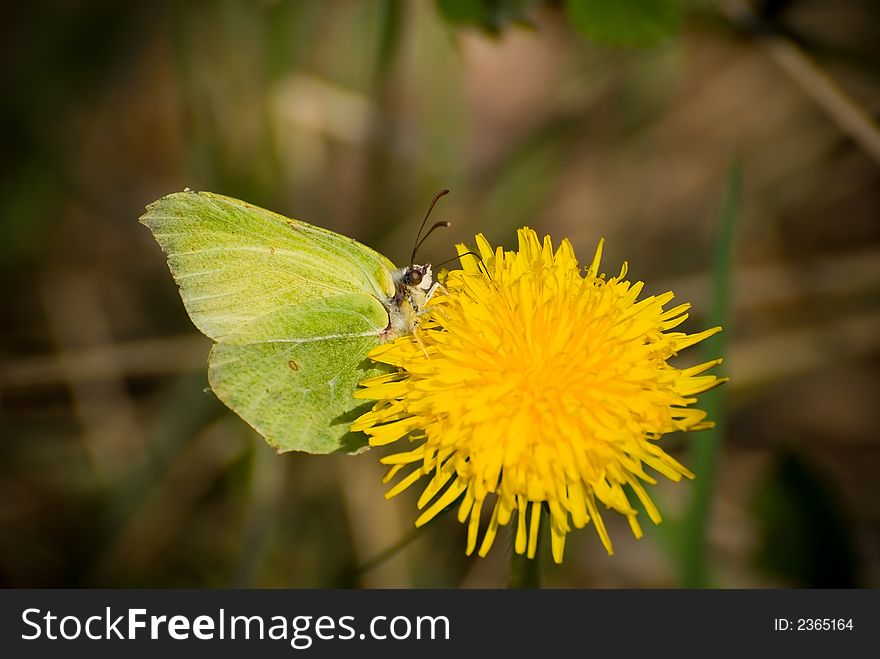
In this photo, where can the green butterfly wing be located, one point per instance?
(293, 309)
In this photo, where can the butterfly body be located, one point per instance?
(412, 289)
(293, 310)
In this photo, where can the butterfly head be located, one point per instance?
(417, 276)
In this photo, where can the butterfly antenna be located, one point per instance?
(436, 225)
(418, 242)
(479, 258)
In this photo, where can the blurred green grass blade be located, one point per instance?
(349, 577)
(625, 22)
(706, 445)
(392, 16)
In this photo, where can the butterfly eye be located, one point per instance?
(415, 277)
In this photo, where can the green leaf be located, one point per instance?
(625, 22)
(492, 16)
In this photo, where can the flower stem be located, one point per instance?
(526, 572)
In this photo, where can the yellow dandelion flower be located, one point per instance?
(533, 382)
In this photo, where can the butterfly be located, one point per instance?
(293, 310)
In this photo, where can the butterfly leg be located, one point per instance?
(419, 341)
(423, 309)
(432, 290)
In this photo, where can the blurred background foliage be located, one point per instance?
(118, 469)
